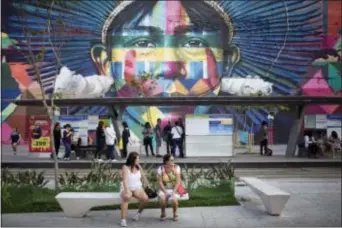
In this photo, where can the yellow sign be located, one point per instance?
(41, 144)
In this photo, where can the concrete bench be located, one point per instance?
(273, 198)
(77, 204)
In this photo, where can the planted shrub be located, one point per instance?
(23, 178)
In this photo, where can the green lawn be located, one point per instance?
(21, 199)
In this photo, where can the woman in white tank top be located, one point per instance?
(131, 186)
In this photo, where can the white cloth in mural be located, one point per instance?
(72, 85)
(246, 86)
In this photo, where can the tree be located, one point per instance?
(50, 41)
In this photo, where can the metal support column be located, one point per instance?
(115, 117)
(295, 131)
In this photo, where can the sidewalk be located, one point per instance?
(313, 203)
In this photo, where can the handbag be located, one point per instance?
(150, 192)
(181, 190)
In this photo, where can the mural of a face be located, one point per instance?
(184, 48)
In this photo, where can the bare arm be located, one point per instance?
(124, 178)
(161, 183)
(178, 181)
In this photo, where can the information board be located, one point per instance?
(214, 124)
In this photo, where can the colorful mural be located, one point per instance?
(180, 48)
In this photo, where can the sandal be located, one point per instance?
(175, 218)
(162, 217)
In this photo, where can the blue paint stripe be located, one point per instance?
(196, 70)
(140, 68)
(219, 67)
(116, 70)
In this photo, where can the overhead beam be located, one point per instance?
(185, 101)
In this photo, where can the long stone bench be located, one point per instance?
(273, 198)
(77, 204)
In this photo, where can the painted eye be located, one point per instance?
(144, 44)
(194, 43)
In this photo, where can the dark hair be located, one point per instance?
(158, 119)
(57, 124)
(198, 14)
(101, 123)
(308, 133)
(132, 157)
(167, 158)
(67, 126)
(334, 134)
(147, 125)
(124, 124)
(176, 123)
(264, 123)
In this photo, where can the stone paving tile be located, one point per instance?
(314, 203)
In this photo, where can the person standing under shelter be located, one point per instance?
(110, 141)
(15, 139)
(148, 135)
(177, 133)
(100, 140)
(167, 136)
(264, 139)
(67, 135)
(158, 132)
(125, 139)
(57, 136)
(181, 124)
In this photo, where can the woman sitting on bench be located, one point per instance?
(169, 176)
(131, 186)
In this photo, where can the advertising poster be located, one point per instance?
(105, 119)
(39, 134)
(334, 123)
(220, 126)
(79, 124)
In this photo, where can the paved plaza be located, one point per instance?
(314, 203)
(241, 155)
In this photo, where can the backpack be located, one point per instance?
(269, 152)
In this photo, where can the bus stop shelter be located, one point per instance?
(296, 103)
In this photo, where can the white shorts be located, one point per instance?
(169, 194)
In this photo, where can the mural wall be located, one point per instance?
(178, 48)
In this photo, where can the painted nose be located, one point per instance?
(175, 70)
